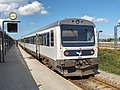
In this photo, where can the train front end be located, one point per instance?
(78, 48)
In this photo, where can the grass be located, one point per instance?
(109, 60)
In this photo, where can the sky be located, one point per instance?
(35, 14)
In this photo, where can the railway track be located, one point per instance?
(105, 83)
(94, 83)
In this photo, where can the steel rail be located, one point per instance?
(106, 83)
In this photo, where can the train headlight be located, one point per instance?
(92, 52)
(77, 21)
(66, 53)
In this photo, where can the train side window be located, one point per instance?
(44, 39)
(32, 40)
(27, 40)
(48, 43)
(40, 39)
(52, 38)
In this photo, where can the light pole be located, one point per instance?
(99, 38)
(116, 36)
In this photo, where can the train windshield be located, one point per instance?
(77, 35)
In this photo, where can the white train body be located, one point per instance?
(69, 46)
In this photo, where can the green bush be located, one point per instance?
(109, 60)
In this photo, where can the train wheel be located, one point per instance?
(48, 64)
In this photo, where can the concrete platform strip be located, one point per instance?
(45, 78)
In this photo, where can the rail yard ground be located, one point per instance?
(108, 58)
(109, 65)
(93, 85)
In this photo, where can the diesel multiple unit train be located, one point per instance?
(68, 46)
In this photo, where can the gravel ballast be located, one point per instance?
(112, 78)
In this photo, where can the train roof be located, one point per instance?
(70, 21)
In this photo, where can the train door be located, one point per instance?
(37, 46)
(23, 43)
(52, 44)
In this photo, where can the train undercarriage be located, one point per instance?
(72, 67)
(78, 67)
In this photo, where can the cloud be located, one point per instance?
(8, 8)
(32, 8)
(88, 18)
(119, 21)
(11, 1)
(95, 19)
(21, 7)
(101, 20)
(31, 23)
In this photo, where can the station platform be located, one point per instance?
(23, 72)
(14, 75)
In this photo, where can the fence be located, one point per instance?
(108, 45)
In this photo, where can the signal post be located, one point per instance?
(12, 26)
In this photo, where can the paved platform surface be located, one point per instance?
(14, 75)
(46, 78)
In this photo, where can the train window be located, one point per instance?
(52, 38)
(32, 40)
(77, 35)
(44, 39)
(40, 39)
(48, 43)
(70, 33)
(27, 40)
